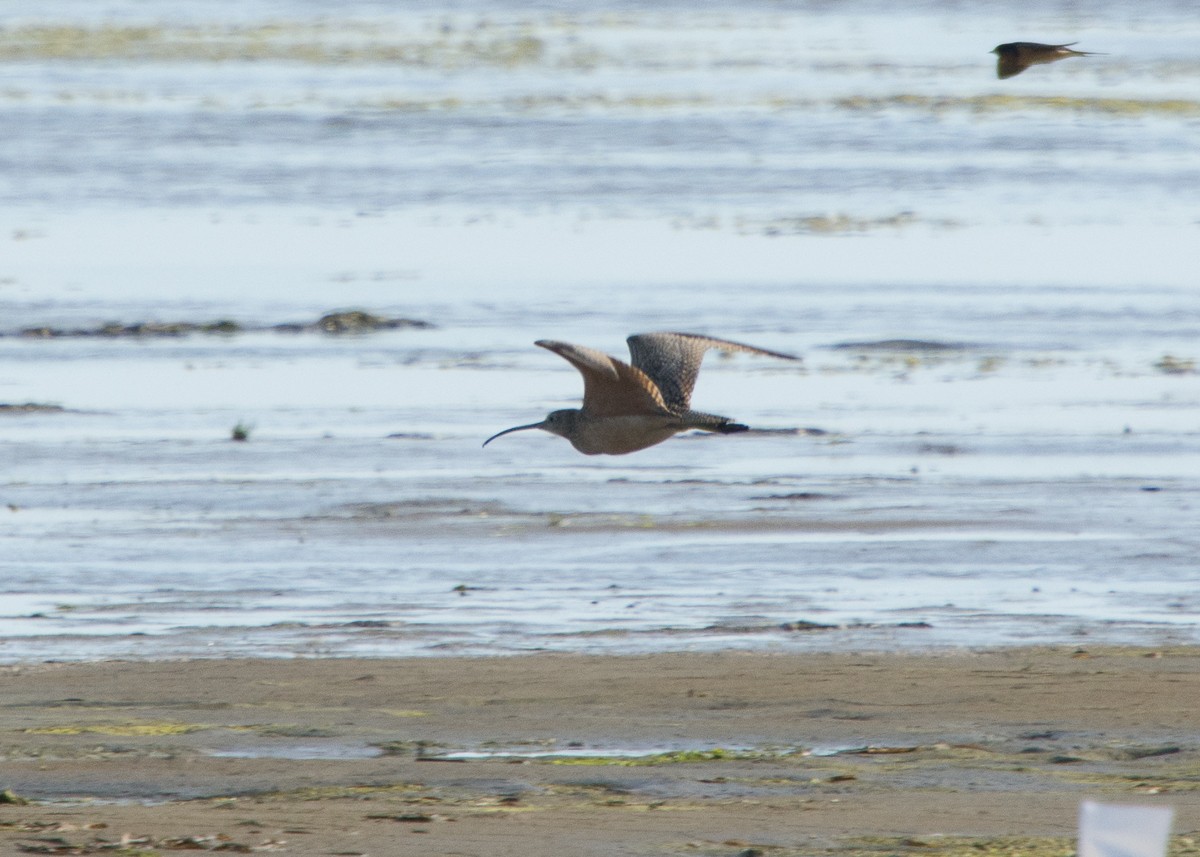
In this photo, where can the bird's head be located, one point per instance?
(561, 423)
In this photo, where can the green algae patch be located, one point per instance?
(127, 729)
(970, 846)
(836, 224)
(356, 792)
(1133, 107)
(926, 846)
(956, 846)
(1170, 365)
(286, 730)
(1181, 781)
(315, 44)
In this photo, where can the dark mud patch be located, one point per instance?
(798, 496)
(355, 321)
(335, 323)
(742, 629)
(904, 346)
(422, 509)
(30, 408)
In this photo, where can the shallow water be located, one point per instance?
(801, 178)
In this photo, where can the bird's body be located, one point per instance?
(632, 406)
(615, 435)
(1014, 57)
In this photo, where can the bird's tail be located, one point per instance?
(711, 422)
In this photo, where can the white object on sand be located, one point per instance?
(1113, 830)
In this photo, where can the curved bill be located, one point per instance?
(542, 424)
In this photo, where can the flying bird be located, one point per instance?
(1014, 57)
(635, 405)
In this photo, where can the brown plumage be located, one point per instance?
(631, 406)
(1014, 57)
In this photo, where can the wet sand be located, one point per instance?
(750, 753)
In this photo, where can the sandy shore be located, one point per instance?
(830, 753)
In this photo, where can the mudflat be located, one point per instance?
(732, 753)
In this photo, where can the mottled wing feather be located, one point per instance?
(611, 388)
(672, 361)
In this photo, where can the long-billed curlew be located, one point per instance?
(1014, 57)
(630, 407)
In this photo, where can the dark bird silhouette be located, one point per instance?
(630, 406)
(1014, 57)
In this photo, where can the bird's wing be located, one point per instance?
(1009, 64)
(611, 388)
(672, 361)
